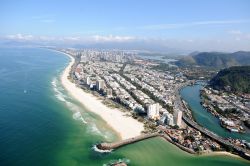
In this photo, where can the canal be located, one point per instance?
(191, 94)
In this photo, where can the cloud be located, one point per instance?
(236, 41)
(20, 37)
(93, 38)
(112, 38)
(190, 24)
(235, 32)
(239, 35)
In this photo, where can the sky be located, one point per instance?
(202, 25)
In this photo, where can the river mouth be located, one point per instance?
(191, 95)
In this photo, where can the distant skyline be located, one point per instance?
(159, 25)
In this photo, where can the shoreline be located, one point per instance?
(222, 153)
(125, 126)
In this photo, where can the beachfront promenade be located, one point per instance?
(115, 145)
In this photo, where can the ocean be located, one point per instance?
(41, 124)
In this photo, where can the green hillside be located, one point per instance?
(236, 79)
(216, 59)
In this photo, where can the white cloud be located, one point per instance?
(20, 37)
(93, 38)
(238, 41)
(112, 38)
(72, 38)
(235, 32)
(239, 35)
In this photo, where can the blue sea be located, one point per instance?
(41, 124)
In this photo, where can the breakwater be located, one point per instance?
(115, 145)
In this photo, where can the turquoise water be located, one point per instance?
(191, 94)
(37, 126)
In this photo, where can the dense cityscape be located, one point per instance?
(125, 83)
(152, 97)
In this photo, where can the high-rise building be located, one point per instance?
(170, 120)
(109, 92)
(88, 81)
(178, 118)
(100, 84)
(153, 111)
(167, 118)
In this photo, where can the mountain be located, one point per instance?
(216, 59)
(235, 79)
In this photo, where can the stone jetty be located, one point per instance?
(115, 145)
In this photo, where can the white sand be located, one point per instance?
(125, 126)
(221, 153)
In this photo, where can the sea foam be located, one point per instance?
(95, 148)
(78, 116)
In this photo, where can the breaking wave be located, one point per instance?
(92, 128)
(72, 107)
(95, 148)
(78, 116)
(78, 113)
(59, 95)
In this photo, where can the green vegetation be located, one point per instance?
(235, 79)
(216, 59)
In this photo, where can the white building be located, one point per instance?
(100, 84)
(109, 92)
(88, 81)
(169, 119)
(153, 111)
(178, 118)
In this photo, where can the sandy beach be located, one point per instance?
(125, 126)
(222, 153)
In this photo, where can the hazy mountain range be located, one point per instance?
(216, 59)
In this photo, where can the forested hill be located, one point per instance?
(216, 59)
(235, 79)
